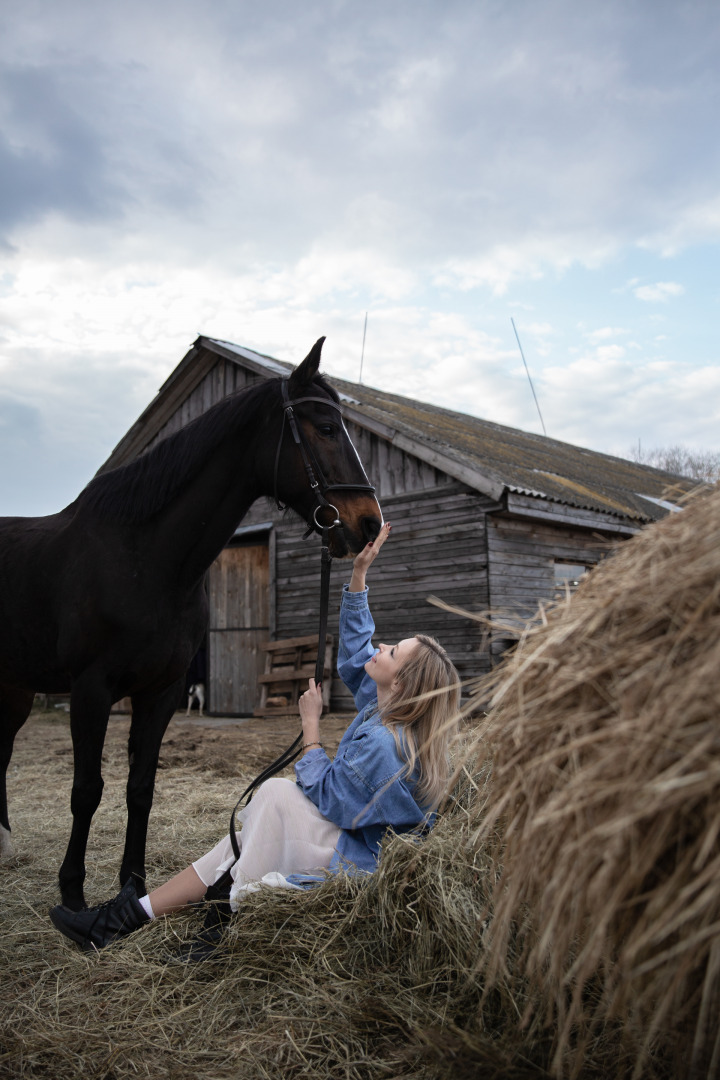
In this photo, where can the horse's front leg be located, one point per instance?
(151, 715)
(90, 703)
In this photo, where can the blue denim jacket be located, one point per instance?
(361, 790)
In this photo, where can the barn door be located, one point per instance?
(238, 591)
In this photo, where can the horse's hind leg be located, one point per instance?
(15, 706)
(151, 715)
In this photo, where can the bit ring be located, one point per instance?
(328, 507)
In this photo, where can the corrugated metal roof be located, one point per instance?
(521, 462)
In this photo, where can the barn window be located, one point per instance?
(567, 576)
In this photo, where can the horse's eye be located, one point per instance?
(328, 430)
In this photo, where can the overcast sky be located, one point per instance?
(267, 173)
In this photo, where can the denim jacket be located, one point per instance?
(362, 790)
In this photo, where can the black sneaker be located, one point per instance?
(99, 926)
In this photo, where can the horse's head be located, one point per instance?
(318, 449)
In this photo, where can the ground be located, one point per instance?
(204, 766)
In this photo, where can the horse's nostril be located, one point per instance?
(370, 528)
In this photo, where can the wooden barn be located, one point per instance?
(484, 517)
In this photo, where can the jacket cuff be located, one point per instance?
(311, 765)
(358, 601)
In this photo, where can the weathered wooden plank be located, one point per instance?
(238, 597)
(234, 659)
(513, 531)
(207, 392)
(290, 674)
(293, 643)
(560, 512)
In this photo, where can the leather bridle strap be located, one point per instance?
(316, 478)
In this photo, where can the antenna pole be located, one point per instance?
(537, 404)
(362, 353)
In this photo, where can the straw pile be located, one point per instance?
(604, 809)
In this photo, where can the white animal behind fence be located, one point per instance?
(196, 693)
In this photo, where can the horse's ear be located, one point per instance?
(304, 373)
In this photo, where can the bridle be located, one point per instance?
(320, 487)
(316, 477)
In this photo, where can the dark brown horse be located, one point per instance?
(106, 599)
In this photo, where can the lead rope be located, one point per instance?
(292, 751)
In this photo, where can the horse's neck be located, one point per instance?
(199, 521)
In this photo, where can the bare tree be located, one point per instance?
(681, 461)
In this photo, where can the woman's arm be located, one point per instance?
(311, 703)
(362, 786)
(357, 626)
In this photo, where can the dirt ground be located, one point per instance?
(228, 747)
(204, 766)
(224, 746)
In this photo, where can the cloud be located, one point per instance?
(620, 398)
(269, 173)
(51, 158)
(496, 146)
(19, 421)
(604, 332)
(659, 293)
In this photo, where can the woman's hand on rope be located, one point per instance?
(365, 559)
(311, 706)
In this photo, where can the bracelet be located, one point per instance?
(305, 745)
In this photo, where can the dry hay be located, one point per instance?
(359, 981)
(604, 808)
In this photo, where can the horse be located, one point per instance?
(106, 599)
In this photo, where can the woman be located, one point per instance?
(390, 770)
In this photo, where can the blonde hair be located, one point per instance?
(421, 711)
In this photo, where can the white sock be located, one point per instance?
(146, 906)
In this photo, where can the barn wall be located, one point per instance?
(437, 548)
(221, 381)
(448, 541)
(521, 558)
(393, 471)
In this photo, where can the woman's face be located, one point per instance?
(388, 660)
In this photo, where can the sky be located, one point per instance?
(270, 173)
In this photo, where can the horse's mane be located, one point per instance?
(136, 491)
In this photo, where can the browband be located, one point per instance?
(321, 400)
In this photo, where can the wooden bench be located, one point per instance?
(288, 666)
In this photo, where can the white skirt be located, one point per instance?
(283, 833)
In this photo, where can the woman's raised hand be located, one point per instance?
(365, 558)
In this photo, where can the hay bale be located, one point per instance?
(604, 807)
